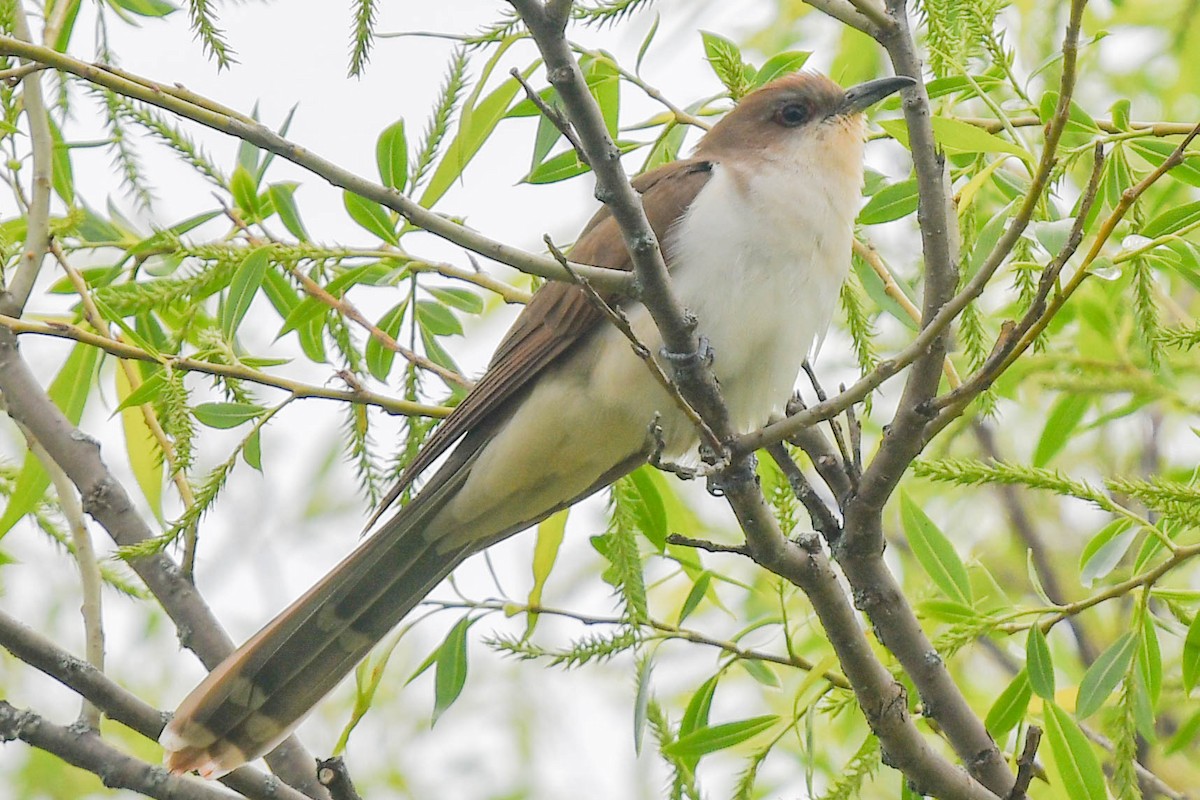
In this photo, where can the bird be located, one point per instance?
(756, 229)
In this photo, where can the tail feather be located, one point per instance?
(253, 699)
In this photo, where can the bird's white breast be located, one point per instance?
(760, 256)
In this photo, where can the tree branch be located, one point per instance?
(105, 499)
(118, 704)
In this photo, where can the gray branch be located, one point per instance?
(40, 653)
(105, 499)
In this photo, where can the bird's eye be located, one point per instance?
(792, 114)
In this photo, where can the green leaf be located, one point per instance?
(462, 299)
(1191, 655)
(379, 357)
(1038, 663)
(437, 319)
(1171, 220)
(61, 175)
(370, 216)
(718, 737)
(648, 510)
(695, 716)
(727, 63)
(566, 165)
(878, 292)
(69, 391)
(141, 446)
(145, 8)
(243, 286)
(641, 703)
(1104, 674)
(1072, 762)
(451, 675)
(1065, 415)
(890, 203)
(475, 126)
(1010, 707)
(391, 155)
(252, 450)
(282, 197)
(1156, 151)
(955, 136)
(545, 552)
(1105, 550)
(245, 193)
(760, 671)
(934, 552)
(1150, 659)
(604, 82)
(779, 65)
(226, 415)
(699, 589)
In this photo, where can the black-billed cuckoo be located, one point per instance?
(756, 228)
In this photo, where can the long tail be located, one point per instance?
(252, 700)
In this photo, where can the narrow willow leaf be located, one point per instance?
(451, 675)
(252, 450)
(1150, 659)
(1010, 707)
(455, 297)
(779, 65)
(1104, 674)
(890, 203)
(1105, 550)
(245, 194)
(641, 703)
(1064, 417)
(145, 455)
(649, 511)
(226, 415)
(69, 390)
(391, 156)
(699, 589)
(719, 737)
(475, 126)
(1191, 655)
(604, 83)
(1038, 663)
(934, 552)
(437, 319)
(370, 216)
(1072, 761)
(545, 552)
(1156, 152)
(761, 672)
(1171, 220)
(956, 136)
(695, 716)
(380, 357)
(283, 198)
(246, 281)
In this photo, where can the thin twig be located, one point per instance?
(89, 570)
(1026, 763)
(561, 123)
(706, 545)
(37, 217)
(121, 349)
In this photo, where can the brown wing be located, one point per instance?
(560, 314)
